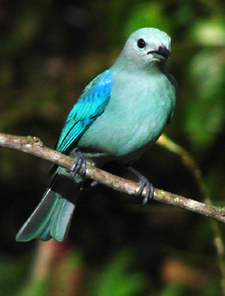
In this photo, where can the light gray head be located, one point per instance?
(146, 47)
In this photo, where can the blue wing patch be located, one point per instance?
(89, 106)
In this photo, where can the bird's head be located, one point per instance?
(146, 47)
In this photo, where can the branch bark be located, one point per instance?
(34, 146)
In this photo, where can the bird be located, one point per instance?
(118, 116)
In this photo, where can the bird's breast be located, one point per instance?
(133, 120)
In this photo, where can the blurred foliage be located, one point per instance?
(49, 51)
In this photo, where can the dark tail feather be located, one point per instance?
(52, 217)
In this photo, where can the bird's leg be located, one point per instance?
(79, 164)
(144, 183)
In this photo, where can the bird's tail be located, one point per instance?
(52, 217)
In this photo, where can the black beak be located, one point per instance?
(162, 51)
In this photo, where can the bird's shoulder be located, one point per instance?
(100, 85)
(95, 96)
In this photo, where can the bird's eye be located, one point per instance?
(141, 43)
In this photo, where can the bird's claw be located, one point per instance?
(78, 165)
(144, 182)
(149, 189)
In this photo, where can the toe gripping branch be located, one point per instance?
(144, 182)
(79, 164)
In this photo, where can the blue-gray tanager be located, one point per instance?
(119, 115)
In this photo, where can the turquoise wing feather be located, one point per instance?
(89, 106)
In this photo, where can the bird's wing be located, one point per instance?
(89, 106)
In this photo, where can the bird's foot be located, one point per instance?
(79, 165)
(144, 183)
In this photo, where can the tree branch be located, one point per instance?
(34, 146)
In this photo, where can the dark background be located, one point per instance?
(49, 51)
